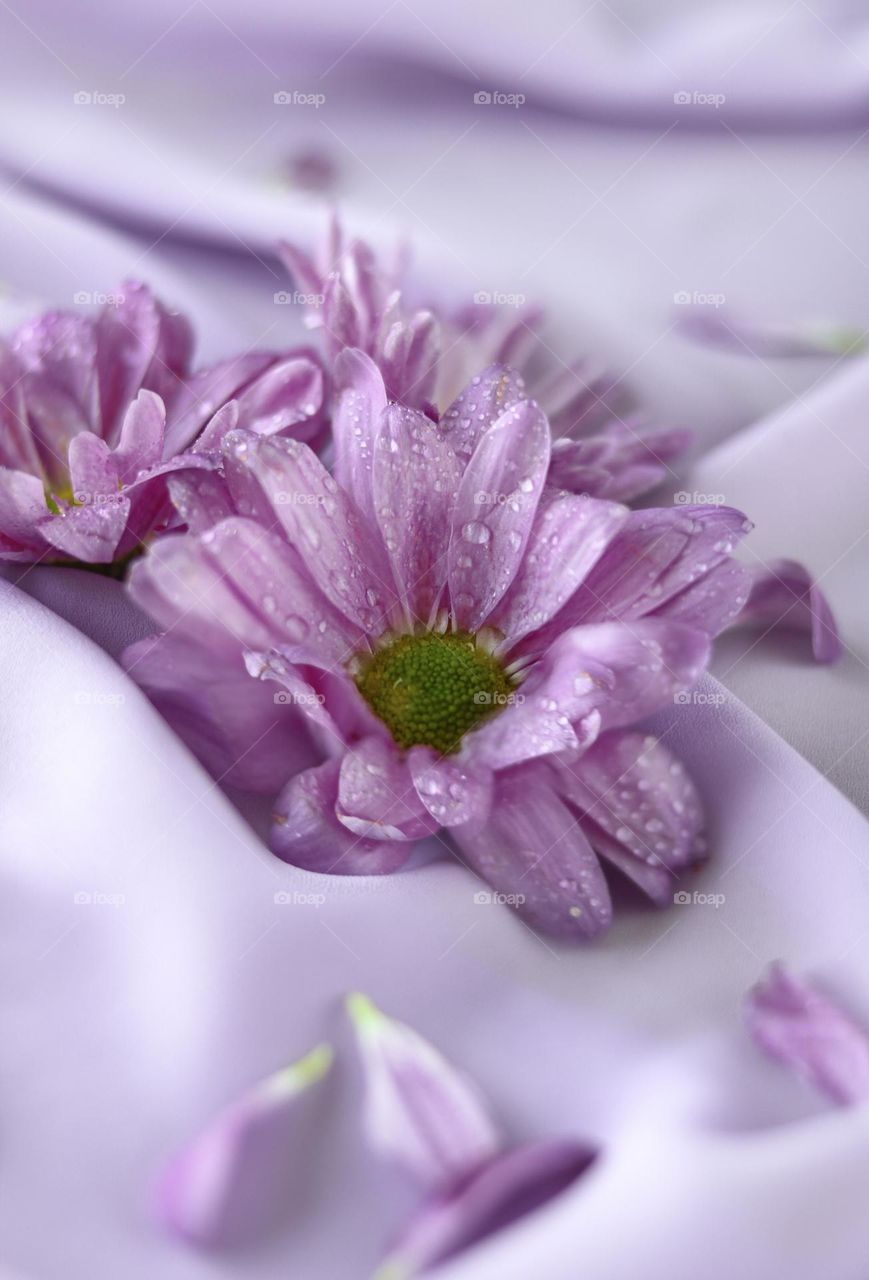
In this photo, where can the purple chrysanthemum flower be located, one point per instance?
(427, 354)
(95, 412)
(468, 647)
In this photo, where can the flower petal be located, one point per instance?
(319, 520)
(452, 792)
(242, 734)
(532, 850)
(215, 1189)
(420, 1112)
(627, 671)
(540, 716)
(494, 512)
(269, 576)
(289, 395)
(479, 406)
(639, 795)
(714, 601)
(784, 594)
(408, 358)
(655, 555)
(200, 497)
(360, 399)
(500, 1193)
(93, 472)
(139, 344)
(416, 478)
(141, 443)
(306, 831)
(22, 507)
(568, 538)
(796, 1025)
(377, 798)
(182, 588)
(90, 534)
(208, 391)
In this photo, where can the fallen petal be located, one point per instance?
(799, 1027)
(420, 1112)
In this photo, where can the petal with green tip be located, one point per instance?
(231, 1179)
(420, 1111)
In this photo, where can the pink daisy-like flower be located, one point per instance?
(96, 411)
(467, 648)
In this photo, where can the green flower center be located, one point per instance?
(430, 689)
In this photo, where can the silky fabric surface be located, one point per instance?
(150, 975)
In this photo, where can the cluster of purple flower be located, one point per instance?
(396, 591)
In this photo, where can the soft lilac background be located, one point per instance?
(126, 1025)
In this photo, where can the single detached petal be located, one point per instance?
(534, 853)
(306, 831)
(416, 479)
(494, 512)
(479, 406)
(785, 595)
(232, 1163)
(503, 1190)
(568, 538)
(377, 798)
(796, 1025)
(420, 1112)
(752, 337)
(637, 793)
